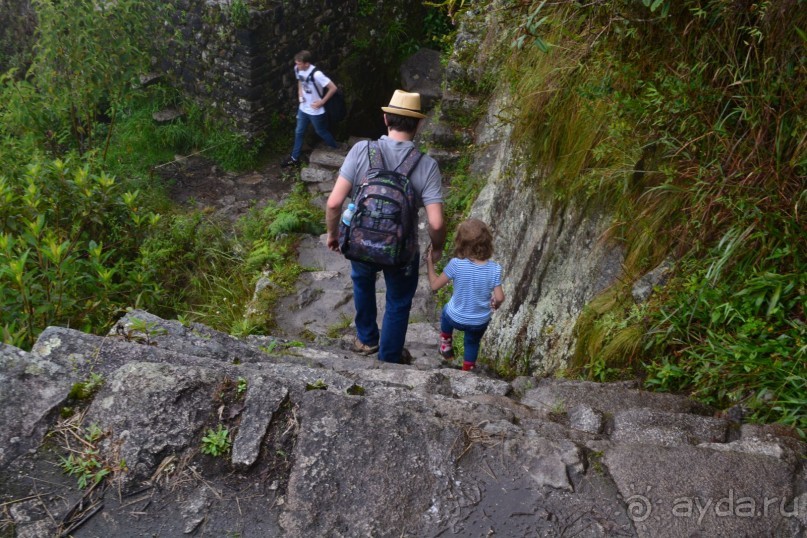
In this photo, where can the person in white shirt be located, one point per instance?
(312, 106)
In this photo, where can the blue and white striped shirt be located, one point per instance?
(473, 286)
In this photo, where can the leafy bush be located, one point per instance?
(68, 248)
(88, 58)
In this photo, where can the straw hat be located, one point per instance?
(404, 104)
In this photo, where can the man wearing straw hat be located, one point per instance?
(402, 118)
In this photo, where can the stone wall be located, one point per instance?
(241, 62)
(17, 23)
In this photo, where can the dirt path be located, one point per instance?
(196, 182)
(322, 306)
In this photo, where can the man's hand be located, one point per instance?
(435, 254)
(333, 242)
(333, 209)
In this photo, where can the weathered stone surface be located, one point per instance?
(555, 394)
(135, 405)
(263, 399)
(455, 106)
(553, 255)
(194, 339)
(449, 137)
(370, 448)
(31, 389)
(467, 384)
(643, 287)
(649, 426)
(686, 491)
(353, 470)
(772, 449)
(584, 418)
(547, 462)
(423, 73)
(328, 158)
(445, 157)
(317, 175)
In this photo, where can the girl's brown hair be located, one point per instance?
(473, 240)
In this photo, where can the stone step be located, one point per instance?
(327, 157)
(654, 427)
(317, 175)
(554, 395)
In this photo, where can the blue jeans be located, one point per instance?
(401, 286)
(320, 123)
(473, 335)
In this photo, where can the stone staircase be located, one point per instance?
(377, 449)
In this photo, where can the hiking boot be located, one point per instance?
(291, 161)
(363, 349)
(406, 357)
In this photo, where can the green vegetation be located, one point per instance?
(319, 384)
(85, 390)
(687, 120)
(83, 459)
(86, 229)
(217, 442)
(241, 387)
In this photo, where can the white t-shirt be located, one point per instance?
(310, 94)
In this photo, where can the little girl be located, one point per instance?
(477, 289)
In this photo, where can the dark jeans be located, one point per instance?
(473, 335)
(320, 123)
(401, 286)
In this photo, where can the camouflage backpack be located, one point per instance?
(383, 230)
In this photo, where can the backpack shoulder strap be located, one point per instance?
(409, 162)
(374, 155)
(314, 82)
(376, 160)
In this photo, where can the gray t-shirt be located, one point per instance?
(426, 179)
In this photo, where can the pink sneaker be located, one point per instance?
(446, 347)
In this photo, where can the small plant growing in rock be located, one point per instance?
(335, 330)
(86, 464)
(319, 384)
(596, 462)
(147, 328)
(216, 443)
(241, 386)
(84, 390)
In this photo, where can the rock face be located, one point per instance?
(324, 443)
(553, 257)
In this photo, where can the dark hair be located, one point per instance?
(473, 240)
(404, 124)
(303, 56)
